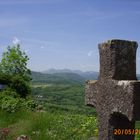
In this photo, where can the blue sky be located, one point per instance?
(65, 33)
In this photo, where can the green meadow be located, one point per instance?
(63, 115)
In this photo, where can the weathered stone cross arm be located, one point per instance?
(116, 94)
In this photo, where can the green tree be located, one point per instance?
(14, 66)
(14, 62)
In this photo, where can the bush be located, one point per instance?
(11, 102)
(8, 91)
(29, 104)
(20, 86)
(8, 103)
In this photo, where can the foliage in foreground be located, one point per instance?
(14, 72)
(11, 102)
(49, 126)
(61, 120)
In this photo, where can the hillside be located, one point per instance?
(87, 75)
(65, 76)
(57, 78)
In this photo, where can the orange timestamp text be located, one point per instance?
(126, 131)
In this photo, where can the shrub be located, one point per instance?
(29, 104)
(9, 104)
(10, 101)
(20, 86)
(10, 92)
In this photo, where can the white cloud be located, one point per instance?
(42, 47)
(90, 53)
(15, 40)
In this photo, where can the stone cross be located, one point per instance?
(116, 94)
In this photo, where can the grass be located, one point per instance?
(65, 118)
(137, 126)
(49, 126)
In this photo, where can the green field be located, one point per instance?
(64, 116)
(64, 97)
(49, 126)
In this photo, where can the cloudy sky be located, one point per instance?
(65, 33)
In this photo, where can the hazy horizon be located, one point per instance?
(64, 69)
(65, 33)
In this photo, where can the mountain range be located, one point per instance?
(63, 76)
(88, 75)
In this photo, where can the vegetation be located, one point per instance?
(57, 111)
(64, 97)
(60, 118)
(57, 78)
(17, 77)
(14, 62)
(11, 102)
(50, 126)
(14, 71)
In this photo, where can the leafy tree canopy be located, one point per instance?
(14, 71)
(14, 62)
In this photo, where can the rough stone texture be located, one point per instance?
(118, 59)
(116, 94)
(91, 90)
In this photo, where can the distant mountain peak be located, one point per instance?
(87, 75)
